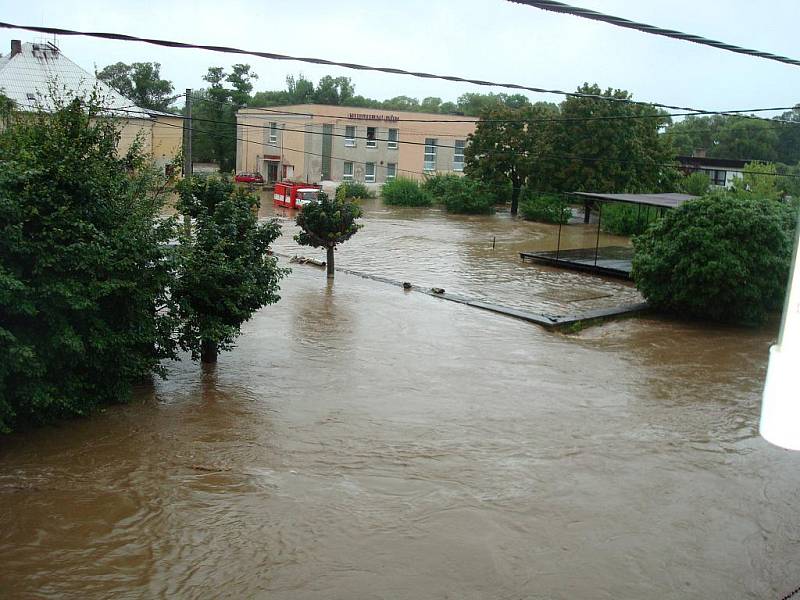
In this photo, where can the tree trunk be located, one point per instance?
(514, 199)
(330, 262)
(208, 351)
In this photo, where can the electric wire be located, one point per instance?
(585, 13)
(322, 61)
(697, 112)
(565, 157)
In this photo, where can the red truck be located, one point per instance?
(294, 195)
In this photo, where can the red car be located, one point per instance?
(249, 178)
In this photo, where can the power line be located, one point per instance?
(539, 157)
(696, 112)
(346, 65)
(234, 135)
(585, 13)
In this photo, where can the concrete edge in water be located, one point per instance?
(566, 323)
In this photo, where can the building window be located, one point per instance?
(717, 176)
(347, 173)
(392, 139)
(369, 173)
(273, 133)
(430, 154)
(458, 155)
(350, 136)
(371, 141)
(391, 170)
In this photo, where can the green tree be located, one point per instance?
(401, 103)
(226, 273)
(214, 133)
(84, 266)
(6, 109)
(334, 90)
(788, 148)
(431, 104)
(140, 82)
(759, 180)
(300, 90)
(506, 150)
(746, 139)
(326, 223)
(737, 137)
(612, 154)
(723, 257)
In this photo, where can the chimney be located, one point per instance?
(699, 153)
(16, 47)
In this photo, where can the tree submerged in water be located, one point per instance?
(226, 271)
(327, 223)
(85, 266)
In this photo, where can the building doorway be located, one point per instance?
(272, 171)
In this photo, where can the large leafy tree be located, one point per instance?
(611, 145)
(84, 266)
(214, 132)
(326, 223)
(512, 147)
(788, 148)
(738, 137)
(140, 82)
(226, 272)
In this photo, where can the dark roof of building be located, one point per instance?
(663, 200)
(705, 161)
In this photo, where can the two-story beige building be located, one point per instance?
(315, 143)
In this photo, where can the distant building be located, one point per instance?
(722, 172)
(30, 71)
(315, 143)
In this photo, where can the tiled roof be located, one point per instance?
(28, 77)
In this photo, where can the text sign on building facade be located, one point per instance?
(366, 117)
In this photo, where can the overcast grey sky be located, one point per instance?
(483, 39)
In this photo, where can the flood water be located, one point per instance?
(367, 442)
(474, 256)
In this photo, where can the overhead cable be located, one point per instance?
(322, 61)
(585, 13)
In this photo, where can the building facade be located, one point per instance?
(30, 71)
(721, 172)
(317, 143)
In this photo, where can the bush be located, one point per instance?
(626, 219)
(696, 184)
(438, 185)
(546, 208)
(722, 257)
(405, 192)
(467, 197)
(352, 190)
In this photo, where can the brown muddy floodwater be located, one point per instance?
(366, 442)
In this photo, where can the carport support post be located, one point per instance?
(558, 244)
(599, 220)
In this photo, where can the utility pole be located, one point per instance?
(187, 148)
